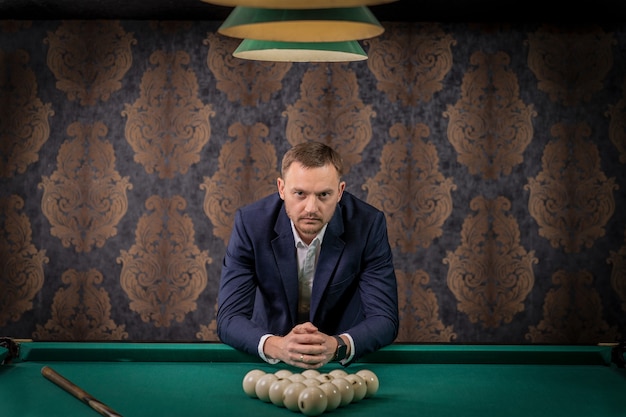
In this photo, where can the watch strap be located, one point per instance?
(342, 349)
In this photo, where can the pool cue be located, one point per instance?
(78, 392)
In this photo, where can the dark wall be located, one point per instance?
(497, 153)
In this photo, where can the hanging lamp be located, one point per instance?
(276, 51)
(298, 4)
(301, 30)
(302, 25)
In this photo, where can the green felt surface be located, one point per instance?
(485, 385)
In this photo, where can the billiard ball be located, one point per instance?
(360, 389)
(333, 396)
(297, 377)
(262, 387)
(311, 382)
(249, 382)
(338, 373)
(310, 373)
(345, 389)
(324, 377)
(312, 401)
(291, 394)
(283, 373)
(276, 391)
(371, 380)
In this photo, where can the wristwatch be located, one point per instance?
(342, 349)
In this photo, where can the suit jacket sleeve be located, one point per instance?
(236, 292)
(377, 293)
(252, 298)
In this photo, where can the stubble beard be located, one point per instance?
(310, 227)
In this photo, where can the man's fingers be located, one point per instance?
(314, 343)
(308, 327)
(308, 361)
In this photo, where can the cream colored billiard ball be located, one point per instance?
(358, 384)
(311, 381)
(312, 401)
(262, 387)
(333, 397)
(283, 373)
(371, 380)
(291, 394)
(345, 389)
(338, 373)
(324, 377)
(276, 391)
(310, 373)
(297, 377)
(249, 382)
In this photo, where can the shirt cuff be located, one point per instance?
(351, 341)
(260, 350)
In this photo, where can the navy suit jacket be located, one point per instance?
(354, 289)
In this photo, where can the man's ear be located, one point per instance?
(342, 186)
(280, 184)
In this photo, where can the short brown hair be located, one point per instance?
(312, 155)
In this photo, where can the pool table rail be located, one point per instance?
(23, 350)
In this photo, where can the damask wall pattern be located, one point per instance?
(497, 152)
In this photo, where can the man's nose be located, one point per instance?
(311, 204)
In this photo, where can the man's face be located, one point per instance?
(311, 196)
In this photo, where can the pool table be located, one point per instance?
(205, 379)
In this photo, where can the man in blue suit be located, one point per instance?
(308, 276)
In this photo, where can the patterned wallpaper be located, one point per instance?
(497, 152)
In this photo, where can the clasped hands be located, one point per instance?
(304, 347)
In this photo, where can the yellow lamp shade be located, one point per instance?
(298, 4)
(302, 25)
(300, 51)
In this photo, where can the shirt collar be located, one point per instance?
(298, 240)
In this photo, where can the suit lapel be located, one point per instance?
(285, 254)
(332, 248)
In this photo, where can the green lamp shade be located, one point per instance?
(297, 4)
(302, 25)
(259, 50)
